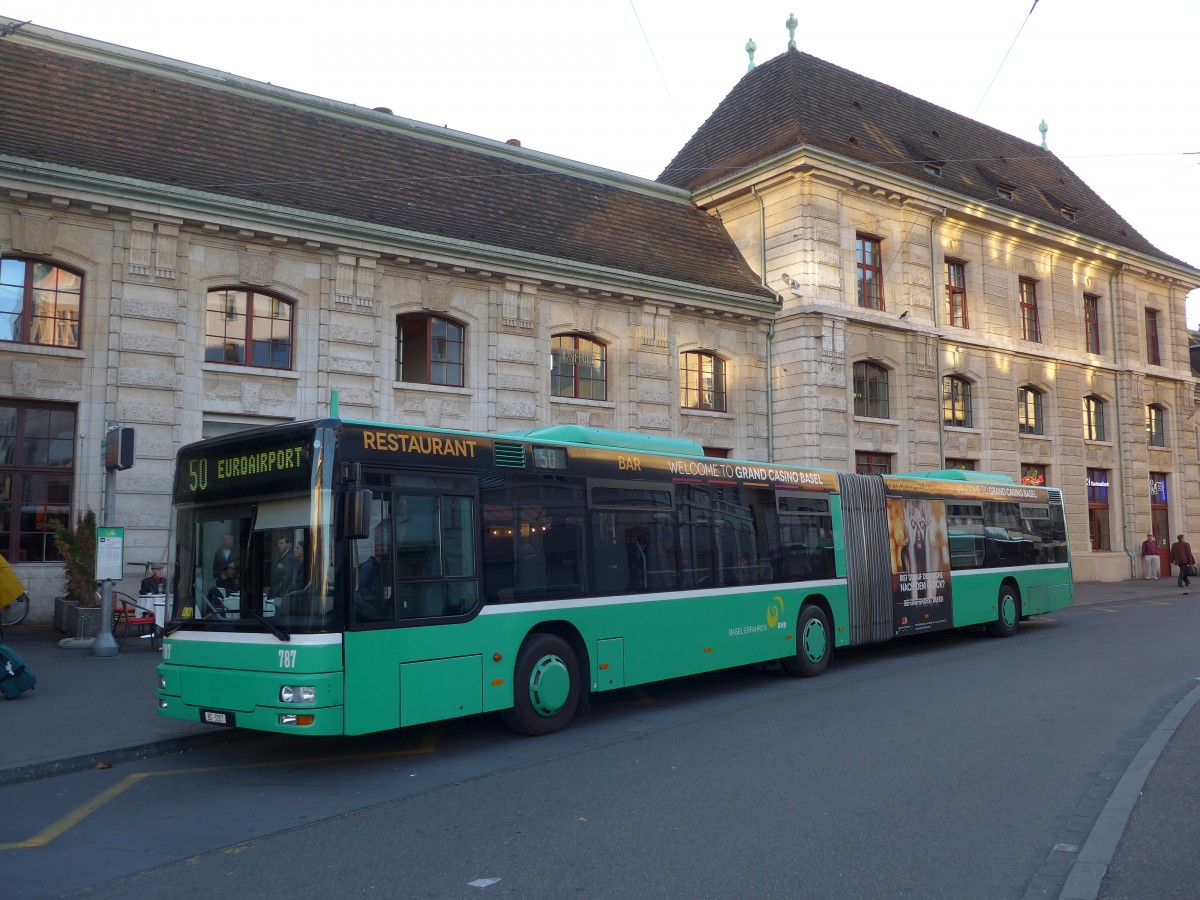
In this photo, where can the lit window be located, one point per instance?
(1091, 322)
(1034, 474)
(1030, 329)
(1156, 425)
(579, 368)
(39, 303)
(870, 390)
(956, 294)
(702, 381)
(429, 350)
(247, 328)
(956, 401)
(870, 272)
(872, 463)
(1098, 523)
(1093, 419)
(1029, 411)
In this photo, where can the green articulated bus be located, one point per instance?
(343, 577)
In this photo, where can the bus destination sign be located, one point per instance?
(204, 473)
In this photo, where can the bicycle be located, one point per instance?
(15, 612)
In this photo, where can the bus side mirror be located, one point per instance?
(356, 514)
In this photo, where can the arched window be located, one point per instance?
(1029, 411)
(1156, 425)
(702, 381)
(578, 368)
(870, 390)
(39, 303)
(1093, 419)
(248, 328)
(430, 350)
(956, 401)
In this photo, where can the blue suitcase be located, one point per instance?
(15, 676)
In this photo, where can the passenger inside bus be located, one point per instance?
(373, 601)
(227, 585)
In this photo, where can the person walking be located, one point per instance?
(1181, 555)
(1150, 557)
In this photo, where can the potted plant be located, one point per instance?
(77, 549)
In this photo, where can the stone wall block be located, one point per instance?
(149, 378)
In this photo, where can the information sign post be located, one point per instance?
(110, 541)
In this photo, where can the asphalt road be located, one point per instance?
(951, 766)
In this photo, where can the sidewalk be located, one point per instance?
(88, 710)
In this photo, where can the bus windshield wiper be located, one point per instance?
(275, 629)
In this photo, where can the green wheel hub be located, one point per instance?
(813, 640)
(549, 685)
(1008, 610)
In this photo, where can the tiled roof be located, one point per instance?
(796, 99)
(144, 122)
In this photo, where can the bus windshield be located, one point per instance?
(253, 567)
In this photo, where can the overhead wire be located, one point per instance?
(1000, 67)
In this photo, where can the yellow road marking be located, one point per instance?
(74, 817)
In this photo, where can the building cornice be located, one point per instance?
(844, 173)
(96, 189)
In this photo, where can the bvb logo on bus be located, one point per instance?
(774, 611)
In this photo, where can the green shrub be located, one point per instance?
(77, 547)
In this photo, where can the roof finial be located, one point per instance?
(1043, 128)
(791, 24)
(750, 48)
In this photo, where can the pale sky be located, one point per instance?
(623, 84)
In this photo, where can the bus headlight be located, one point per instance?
(162, 682)
(291, 693)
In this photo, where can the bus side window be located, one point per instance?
(374, 598)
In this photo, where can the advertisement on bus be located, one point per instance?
(920, 553)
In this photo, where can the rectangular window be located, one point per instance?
(870, 272)
(967, 465)
(1030, 328)
(1029, 411)
(956, 294)
(1093, 419)
(870, 390)
(1091, 322)
(37, 470)
(872, 463)
(1156, 425)
(1034, 474)
(1098, 526)
(1153, 356)
(429, 350)
(702, 381)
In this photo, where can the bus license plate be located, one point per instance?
(213, 717)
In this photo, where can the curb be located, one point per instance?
(1087, 872)
(105, 758)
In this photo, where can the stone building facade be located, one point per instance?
(208, 273)
(955, 297)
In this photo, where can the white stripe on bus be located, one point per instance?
(495, 609)
(242, 637)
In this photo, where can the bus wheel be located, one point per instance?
(545, 686)
(1008, 613)
(814, 644)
